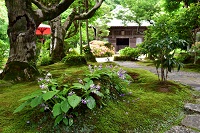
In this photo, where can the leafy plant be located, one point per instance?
(129, 52)
(195, 51)
(64, 101)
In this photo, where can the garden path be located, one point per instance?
(188, 78)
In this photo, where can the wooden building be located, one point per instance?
(126, 36)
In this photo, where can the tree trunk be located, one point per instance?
(87, 32)
(57, 41)
(21, 64)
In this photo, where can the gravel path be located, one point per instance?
(188, 78)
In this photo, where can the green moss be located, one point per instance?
(144, 109)
(19, 71)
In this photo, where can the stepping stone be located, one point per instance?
(180, 129)
(192, 121)
(192, 107)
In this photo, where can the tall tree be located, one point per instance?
(173, 5)
(61, 29)
(23, 21)
(139, 10)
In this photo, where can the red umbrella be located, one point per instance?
(43, 29)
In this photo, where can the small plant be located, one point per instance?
(65, 101)
(88, 54)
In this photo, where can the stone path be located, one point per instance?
(191, 123)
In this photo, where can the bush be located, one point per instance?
(123, 58)
(101, 49)
(130, 52)
(74, 60)
(88, 54)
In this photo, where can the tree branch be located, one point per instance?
(69, 20)
(73, 32)
(44, 13)
(90, 13)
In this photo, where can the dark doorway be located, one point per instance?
(122, 43)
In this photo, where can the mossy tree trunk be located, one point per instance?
(23, 21)
(21, 31)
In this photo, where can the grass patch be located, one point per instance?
(144, 108)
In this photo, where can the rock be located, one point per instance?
(192, 107)
(198, 100)
(192, 121)
(180, 129)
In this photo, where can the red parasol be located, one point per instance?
(43, 29)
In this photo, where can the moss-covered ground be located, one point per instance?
(148, 106)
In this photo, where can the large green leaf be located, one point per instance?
(58, 120)
(21, 106)
(48, 95)
(99, 93)
(88, 84)
(77, 86)
(74, 100)
(90, 102)
(34, 94)
(65, 106)
(36, 101)
(57, 109)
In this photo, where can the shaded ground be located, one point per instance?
(188, 78)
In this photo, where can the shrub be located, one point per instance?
(64, 101)
(88, 54)
(123, 58)
(184, 57)
(130, 52)
(101, 49)
(74, 60)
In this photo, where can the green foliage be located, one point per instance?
(44, 58)
(43, 53)
(64, 101)
(4, 46)
(88, 54)
(123, 58)
(135, 12)
(74, 60)
(173, 5)
(129, 52)
(195, 52)
(160, 44)
(184, 57)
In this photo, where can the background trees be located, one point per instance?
(3, 33)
